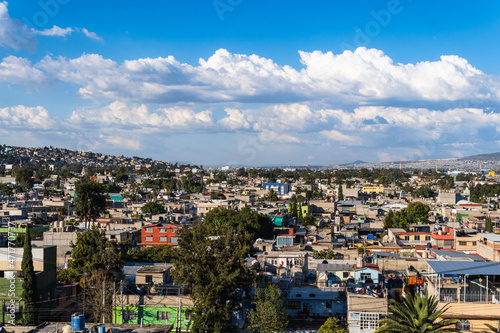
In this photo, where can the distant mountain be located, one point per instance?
(358, 162)
(483, 157)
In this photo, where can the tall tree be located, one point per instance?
(90, 199)
(213, 264)
(258, 225)
(269, 313)
(92, 251)
(333, 325)
(99, 263)
(30, 289)
(418, 211)
(416, 314)
(488, 227)
(340, 192)
(152, 208)
(272, 196)
(24, 177)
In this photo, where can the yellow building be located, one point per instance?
(372, 188)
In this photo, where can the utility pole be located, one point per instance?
(103, 301)
(114, 301)
(121, 302)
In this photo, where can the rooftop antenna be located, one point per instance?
(289, 164)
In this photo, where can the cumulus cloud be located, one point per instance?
(362, 77)
(140, 118)
(16, 35)
(54, 31)
(92, 35)
(20, 71)
(23, 117)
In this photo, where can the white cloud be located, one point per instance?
(140, 118)
(13, 33)
(23, 117)
(363, 77)
(54, 31)
(274, 137)
(20, 71)
(17, 35)
(92, 35)
(235, 119)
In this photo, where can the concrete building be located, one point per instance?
(364, 312)
(279, 188)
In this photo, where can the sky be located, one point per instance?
(250, 82)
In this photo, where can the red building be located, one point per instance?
(160, 233)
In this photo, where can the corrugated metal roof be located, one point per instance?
(334, 267)
(492, 237)
(465, 267)
(457, 254)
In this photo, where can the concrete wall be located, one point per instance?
(401, 264)
(482, 317)
(366, 303)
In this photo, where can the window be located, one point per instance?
(149, 229)
(474, 243)
(294, 305)
(407, 237)
(298, 295)
(427, 238)
(365, 276)
(163, 239)
(417, 237)
(163, 315)
(462, 243)
(312, 295)
(328, 304)
(345, 275)
(149, 239)
(163, 230)
(369, 321)
(174, 240)
(129, 315)
(463, 325)
(149, 278)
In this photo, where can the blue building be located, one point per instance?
(280, 188)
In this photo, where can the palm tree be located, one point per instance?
(416, 314)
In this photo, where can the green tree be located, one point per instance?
(161, 253)
(488, 227)
(152, 208)
(269, 313)
(99, 264)
(30, 291)
(24, 177)
(389, 220)
(92, 251)
(340, 193)
(333, 325)
(90, 200)
(417, 211)
(416, 314)
(256, 224)
(214, 266)
(309, 220)
(272, 196)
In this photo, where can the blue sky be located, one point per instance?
(240, 82)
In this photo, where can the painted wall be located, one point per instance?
(149, 315)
